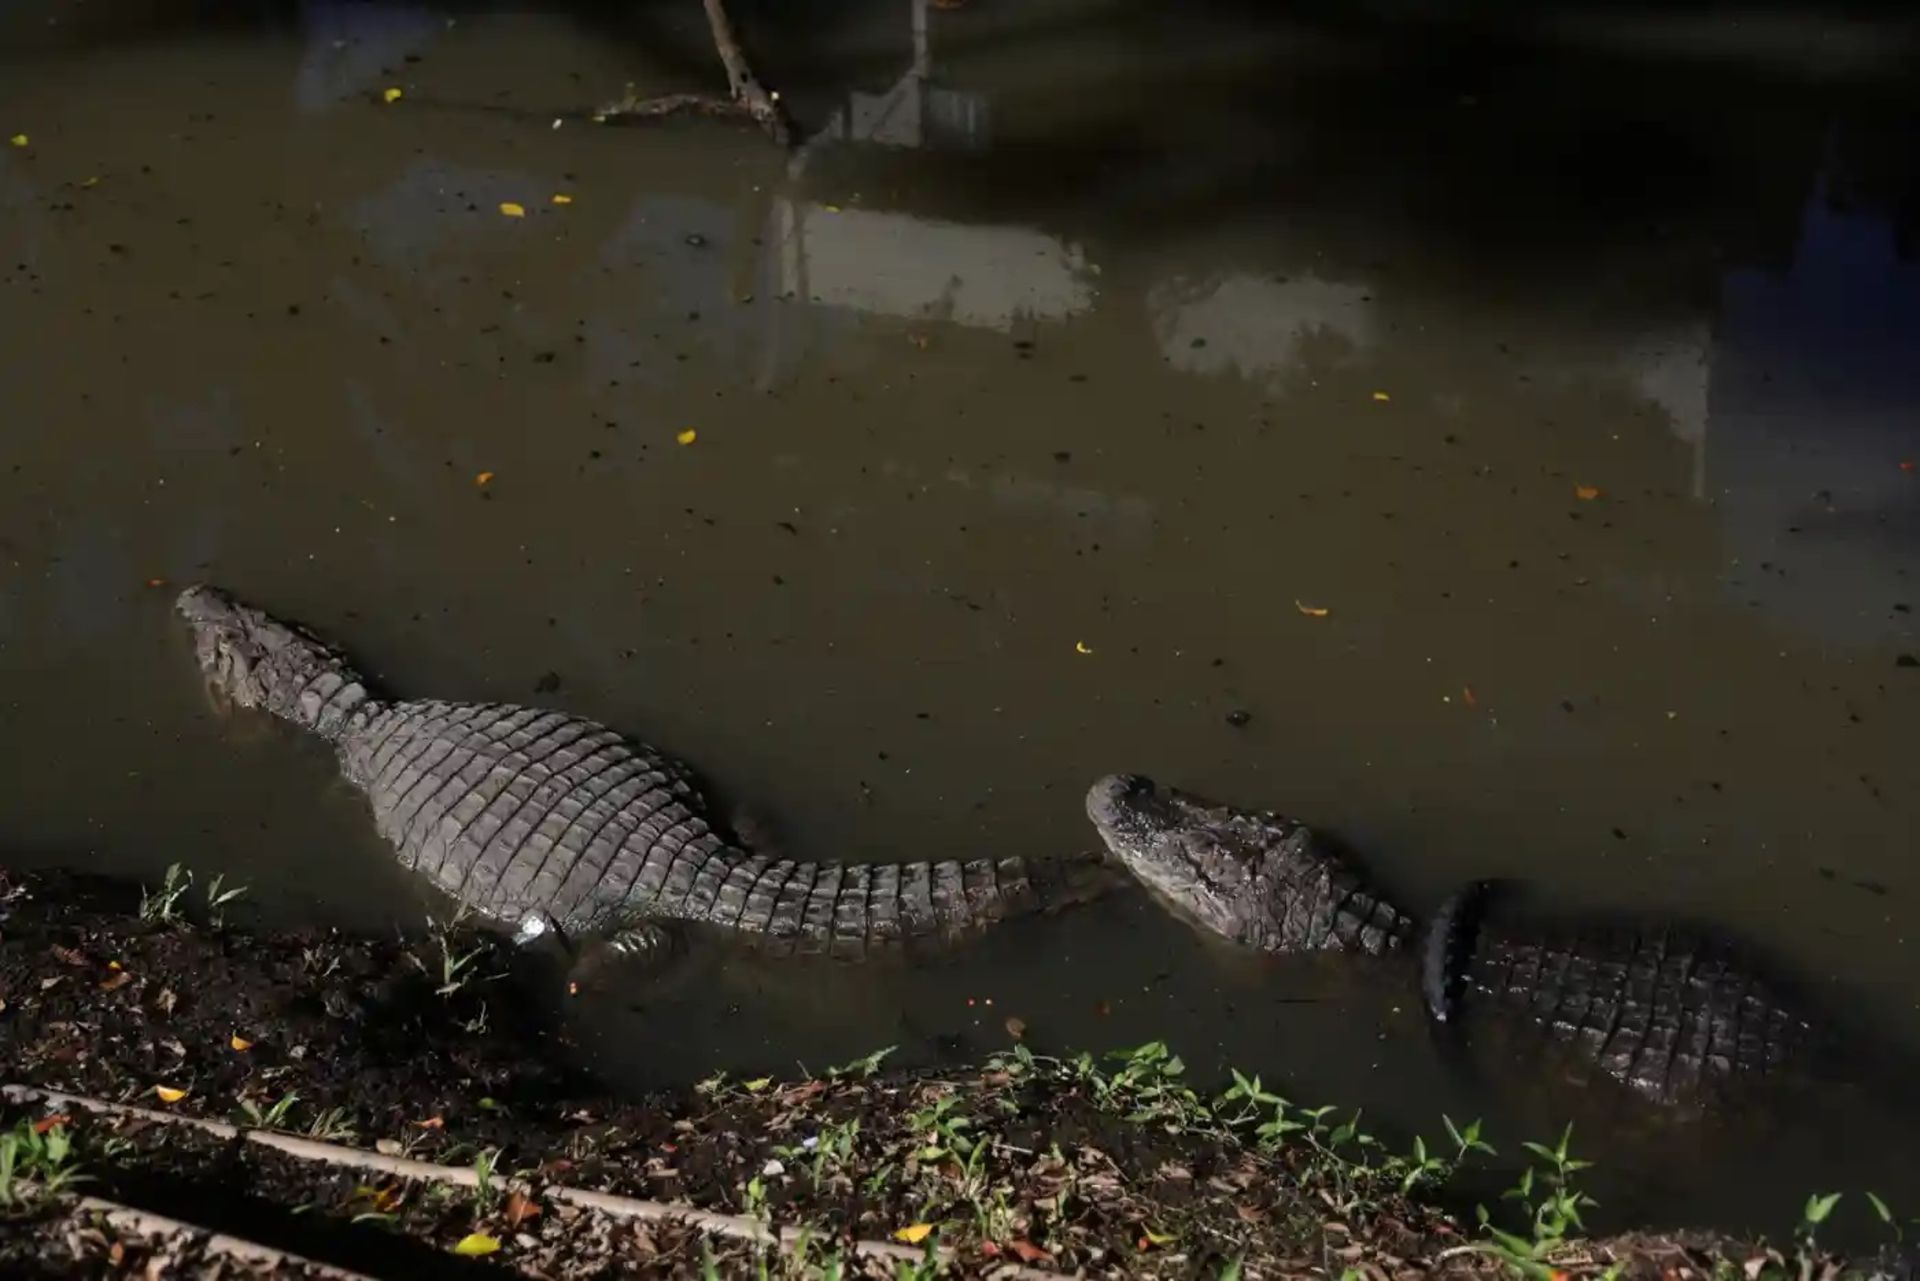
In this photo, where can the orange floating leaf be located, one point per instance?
(1586, 493)
(239, 1043)
(1467, 697)
(484, 479)
(1016, 1026)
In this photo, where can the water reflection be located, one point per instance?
(914, 111)
(1259, 328)
(1815, 376)
(354, 47)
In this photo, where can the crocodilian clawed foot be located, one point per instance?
(643, 948)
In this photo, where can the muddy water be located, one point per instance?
(1515, 425)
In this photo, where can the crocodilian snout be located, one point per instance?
(1113, 799)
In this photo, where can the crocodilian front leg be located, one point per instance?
(640, 947)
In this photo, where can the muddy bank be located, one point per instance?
(419, 1123)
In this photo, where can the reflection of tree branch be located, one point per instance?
(747, 89)
(750, 97)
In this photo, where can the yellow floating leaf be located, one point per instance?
(831, 208)
(562, 198)
(476, 1243)
(1381, 396)
(513, 210)
(1311, 611)
(168, 1094)
(1081, 647)
(90, 182)
(239, 1043)
(19, 140)
(1586, 493)
(914, 1233)
(484, 479)
(390, 95)
(688, 436)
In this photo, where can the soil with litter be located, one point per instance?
(367, 1042)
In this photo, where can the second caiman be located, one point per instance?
(1675, 1014)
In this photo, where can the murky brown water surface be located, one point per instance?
(1040, 404)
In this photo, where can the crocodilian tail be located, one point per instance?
(255, 660)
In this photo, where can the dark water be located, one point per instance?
(1088, 344)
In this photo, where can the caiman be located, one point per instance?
(1676, 1015)
(540, 819)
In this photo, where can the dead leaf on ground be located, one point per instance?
(520, 1208)
(117, 979)
(47, 1123)
(1027, 1250)
(167, 1094)
(71, 956)
(239, 1043)
(431, 1123)
(165, 1001)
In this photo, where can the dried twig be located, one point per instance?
(126, 1218)
(732, 1226)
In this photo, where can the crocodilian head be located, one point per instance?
(1251, 876)
(250, 658)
